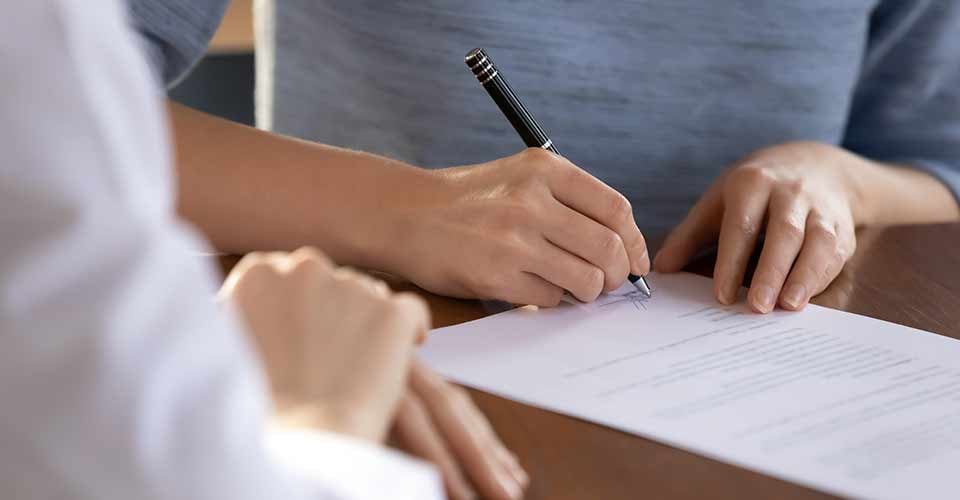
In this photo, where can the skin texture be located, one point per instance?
(512, 229)
(438, 422)
(338, 350)
(525, 228)
(336, 345)
(528, 227)
(808, 198)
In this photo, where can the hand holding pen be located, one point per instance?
(523, 122)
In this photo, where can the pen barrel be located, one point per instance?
(500, 91)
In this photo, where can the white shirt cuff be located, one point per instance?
(330, 465)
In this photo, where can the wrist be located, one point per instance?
(365, 221)
(318, 417)
(414, 195)
(858, 174)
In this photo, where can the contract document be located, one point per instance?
(838, 402)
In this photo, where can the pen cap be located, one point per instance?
(496, 85)
(481, 65)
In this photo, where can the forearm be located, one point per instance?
(891, 194)
(247, 189)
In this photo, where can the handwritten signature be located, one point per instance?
(635, 297)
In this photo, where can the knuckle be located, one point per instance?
(752, 175)
(794, 187)
(610, 245)
(253, 271)
(256, 257)
(838, 260)
(772, 274)
(354, 284)
(539, 163)
(347, 276)
(640, 241)
(411, 303)
(848, 248)
(747, 225)
(592, 282)
(827, 234)
(307, 253)
(620, 209)
(390, 307)
(538, 155)
(309, 259)
(826, 271)
(791, 229)
(258, 264)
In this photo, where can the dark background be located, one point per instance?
(221, 84)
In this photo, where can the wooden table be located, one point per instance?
(908, 275)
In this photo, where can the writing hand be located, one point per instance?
(521, 229)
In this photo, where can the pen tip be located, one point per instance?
(640, 283)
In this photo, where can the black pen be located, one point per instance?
(521, 119)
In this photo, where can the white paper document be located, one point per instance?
(835, 401)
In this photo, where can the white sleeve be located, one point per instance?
(119, 376)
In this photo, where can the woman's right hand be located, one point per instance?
(336, 345)
(523, 229)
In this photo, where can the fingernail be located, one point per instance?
(795, 295)
(727, 295)
(510, 486)
(520, 475)
(763, 297)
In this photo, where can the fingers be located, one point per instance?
(744, 209)
(368, 284)
(486, 461)
(784, 237)
(416, 312)
(333, 342)
(591, 241)
(527, 288)
(586, 194)
(410, 312)
(700, 228)
(826, 249)
(258, 265)
(420, 437)
(308, 255)
(565, 270)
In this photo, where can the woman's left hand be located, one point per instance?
(438, 422)
(804, 195)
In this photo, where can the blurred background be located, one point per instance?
(222, 83)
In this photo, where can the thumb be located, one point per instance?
(700, 228)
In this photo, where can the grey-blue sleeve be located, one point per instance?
(906, 106)
(175, 33)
